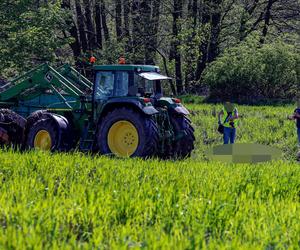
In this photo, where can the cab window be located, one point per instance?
(148, 88)
(121, 83)
(104, 85)
(111, 83)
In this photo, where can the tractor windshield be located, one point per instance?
(149, 84)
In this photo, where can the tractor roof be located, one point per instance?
(127, 67)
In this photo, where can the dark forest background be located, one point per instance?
(241, 48)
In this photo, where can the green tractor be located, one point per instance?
(122, 113)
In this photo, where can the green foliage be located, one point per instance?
(191, 37)
(192, 99)
(70, 201)
(29, 35)
(113, 50)
(110, 53)
(253, 71)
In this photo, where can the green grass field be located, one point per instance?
(69, 201)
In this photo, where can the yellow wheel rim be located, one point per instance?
(42, 140)
(123, 138)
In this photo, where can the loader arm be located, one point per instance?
(62, 81)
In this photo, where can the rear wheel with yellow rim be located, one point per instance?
(126, 133)
(123, 138)
(184, 137)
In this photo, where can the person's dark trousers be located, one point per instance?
(298, 133)
(229, 135)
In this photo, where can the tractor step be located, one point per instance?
(88, 137)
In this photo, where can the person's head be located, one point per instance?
(226, 99)
(228, 105)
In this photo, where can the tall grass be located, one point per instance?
(264, 124)
(68, 201)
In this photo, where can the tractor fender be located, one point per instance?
(64, 128)
(150, 110)
(133, 103)
(172, 106)
(179, 110)
(61, 121)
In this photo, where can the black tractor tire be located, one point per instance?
(35, 116)
(50, 127)
(32, 119)
(145, 126)
(183, 145)
(69, 139)
(12, 128)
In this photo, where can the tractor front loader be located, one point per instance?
(122, 113)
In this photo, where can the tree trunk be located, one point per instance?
(175, 52)
(126, 32)
(172, 86)
(153, 29)
(147, 30)
(242, 29)
(98, 25)
(192, 22)
(81, 26)
(118, 19)
(267, 19)
(204, 19)
(37, 4)
(213, 49)
(103, 20)
(209, 48)
(193, 11)
(89, 25)
(75, 45)
(137, 40)
(247, 13)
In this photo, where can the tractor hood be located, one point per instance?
(152, 76)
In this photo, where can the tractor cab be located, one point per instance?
(133, 117)
(127, 81)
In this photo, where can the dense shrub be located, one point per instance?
(251, 71)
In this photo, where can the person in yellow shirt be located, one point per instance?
(229, 115)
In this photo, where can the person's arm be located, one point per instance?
(219, 116)
(236, 114)
(291, 117)
(294, 116)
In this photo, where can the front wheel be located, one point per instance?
(43, 135)
(126, 133)
(12, 128)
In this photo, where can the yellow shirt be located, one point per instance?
(228, 122)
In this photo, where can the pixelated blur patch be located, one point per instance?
(229, 107)
(243, 153)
